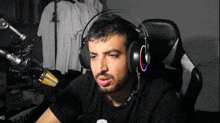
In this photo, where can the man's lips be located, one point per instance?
(104, 81)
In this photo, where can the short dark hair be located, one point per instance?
(110, 24)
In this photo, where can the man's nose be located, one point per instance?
(102, 65)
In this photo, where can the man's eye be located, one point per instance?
(114, 55)
(92, 57)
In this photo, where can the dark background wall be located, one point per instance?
(194, 17)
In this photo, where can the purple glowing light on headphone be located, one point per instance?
(140, 60)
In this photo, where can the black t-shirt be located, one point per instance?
(81, 101)
(119, 114)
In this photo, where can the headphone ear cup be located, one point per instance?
(133, 55)
(84, 56)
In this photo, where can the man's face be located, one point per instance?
(108, 63)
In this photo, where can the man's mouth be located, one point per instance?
(104, 81)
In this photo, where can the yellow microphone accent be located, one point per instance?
(48, 78)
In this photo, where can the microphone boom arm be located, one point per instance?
(30, 67)
(26, 64)
(5, 24)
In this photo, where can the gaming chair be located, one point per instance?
(166, 48)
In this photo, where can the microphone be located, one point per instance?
(5, 24)
(31, 67)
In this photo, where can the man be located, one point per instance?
(110, 91)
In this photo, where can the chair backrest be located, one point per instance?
(165, 47)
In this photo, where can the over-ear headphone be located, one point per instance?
(137, 53)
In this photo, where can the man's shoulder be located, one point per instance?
(157, 86)
(157, 94)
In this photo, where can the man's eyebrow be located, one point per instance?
(107, 52)
(93, 53)
(113, 50)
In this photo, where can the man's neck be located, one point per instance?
(121, 96)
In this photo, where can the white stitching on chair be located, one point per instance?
(169, 59)
(186, 79)
(187, 69)
(186, 63)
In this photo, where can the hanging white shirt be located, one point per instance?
(65, 35)
(96, 4)
(74, 28)
(83, 16)
(68, 30)
(87, 12)
(46, 31)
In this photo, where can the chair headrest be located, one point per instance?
(161, 29)
(162, 35)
